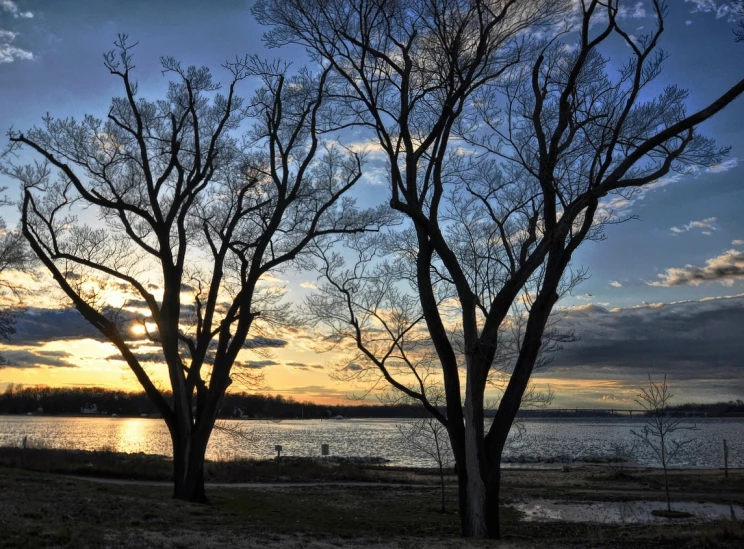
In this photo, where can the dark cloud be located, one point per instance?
(696, 340)
(256, 364)
(259, 341)
(23, 358)
(354, 367)
(139, 303)
(303, 366)
(142, 356)
(37, 325)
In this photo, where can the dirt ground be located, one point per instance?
(52, 510)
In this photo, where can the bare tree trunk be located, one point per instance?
(493, 489)
(476, 488)
(479, 512)
(188, 467)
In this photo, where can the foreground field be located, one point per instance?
(53, 510)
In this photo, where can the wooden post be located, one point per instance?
(278, 448)
(725, 458)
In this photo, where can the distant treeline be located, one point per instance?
(99, 401)
(37, 399)
(718, 409)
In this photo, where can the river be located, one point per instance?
(543, 440)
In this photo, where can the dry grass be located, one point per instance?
(43, 510)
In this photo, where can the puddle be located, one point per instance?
(622, 512)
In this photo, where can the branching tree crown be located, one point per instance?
(506, 132)
(192, 215)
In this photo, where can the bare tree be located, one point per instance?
(506, 134)
(192, 218)
(658, 432)
(15, 263)
(428, 437)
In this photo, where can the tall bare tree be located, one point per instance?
(15, 259)
(506, 132)
(192, 217)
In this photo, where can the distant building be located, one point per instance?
(89, 409)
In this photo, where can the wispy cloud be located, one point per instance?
(725, 268)
(724, 166)
(708, 223)
(722, 9)
(616, 284)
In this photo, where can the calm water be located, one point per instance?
(542, 439)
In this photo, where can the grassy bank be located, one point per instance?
(149, 467)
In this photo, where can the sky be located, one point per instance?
(666, 291)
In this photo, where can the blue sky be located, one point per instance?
(50, 61)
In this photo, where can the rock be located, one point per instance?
(566, 469)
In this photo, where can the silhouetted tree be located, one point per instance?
(15, 263)
(506, 133)
(193, 217)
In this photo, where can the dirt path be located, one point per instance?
(528, 491)
(254, 485)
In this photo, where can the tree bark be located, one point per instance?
(479, 509)
(188, 468)
(476, 488)
(493, 488)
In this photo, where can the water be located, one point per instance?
(623, 512)
(543, 439)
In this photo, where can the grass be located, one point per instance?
(105, 463)
(44, 510)
(39, 509)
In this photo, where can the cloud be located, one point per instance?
(11, 7)
(259, 341)
(724, 166)
(309, 285)
(688, 340)
(616, 284)
(636, 12)
(354, 367)
(24, 358)
(737, 242)
(721, 9)
(707, 223)
(303, 366)
(9, 52)
(256, 364)
(36, 325)
(725, 269)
